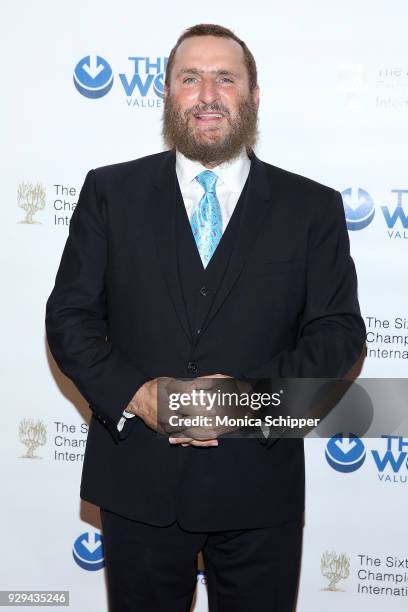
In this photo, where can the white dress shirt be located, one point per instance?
(231, 174)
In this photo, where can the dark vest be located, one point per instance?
(199, 285)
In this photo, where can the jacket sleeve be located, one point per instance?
(77, 318)
(332, 333)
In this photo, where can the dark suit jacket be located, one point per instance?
(287, 307)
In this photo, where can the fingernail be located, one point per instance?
(172, 440)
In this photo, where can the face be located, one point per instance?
(209, 112)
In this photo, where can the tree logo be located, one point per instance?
(334, 568)
(32, 434)
(31, 198)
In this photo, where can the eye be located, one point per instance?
(227, 79)
(188, 79)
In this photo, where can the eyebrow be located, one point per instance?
(196, 71)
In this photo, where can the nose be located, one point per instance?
(208, 91)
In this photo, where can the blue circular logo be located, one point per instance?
(345, 454)
(88, 551)
(93, 77)
(158, 85)
(358, 208)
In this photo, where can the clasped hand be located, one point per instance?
(152, 404)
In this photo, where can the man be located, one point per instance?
(201, 261)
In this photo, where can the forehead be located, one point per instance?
(209, 52)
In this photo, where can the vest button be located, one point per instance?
(192, 367)
(204, 290)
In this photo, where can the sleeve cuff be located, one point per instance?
(122, 420)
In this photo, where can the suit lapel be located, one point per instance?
(163, 213)
(252, 219)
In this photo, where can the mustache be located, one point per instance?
(216, 108)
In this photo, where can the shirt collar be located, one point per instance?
(233, 172)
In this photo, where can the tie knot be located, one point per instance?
(207, 180)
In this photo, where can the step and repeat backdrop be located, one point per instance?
(83, 87)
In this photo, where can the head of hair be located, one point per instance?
(209, 29)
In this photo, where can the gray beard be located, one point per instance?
(243, 133)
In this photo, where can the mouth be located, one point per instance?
(208, 117)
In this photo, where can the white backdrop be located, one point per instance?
(334, 107)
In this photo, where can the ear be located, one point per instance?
(255, 95)
(166, 91)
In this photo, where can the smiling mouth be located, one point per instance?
(209, 117)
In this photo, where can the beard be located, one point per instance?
(209, 147)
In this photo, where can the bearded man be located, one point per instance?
(198, 263)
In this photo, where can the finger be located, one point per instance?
(203, 443)
(202, 382)
(201, 433)
(192, 442)
(216, 376)
(174, 440)
(219, 376)
(207, 382)
(178, 385)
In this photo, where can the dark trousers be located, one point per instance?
(154, 569)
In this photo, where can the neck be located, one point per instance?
(209, 165)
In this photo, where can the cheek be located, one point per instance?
(187, 99)
(231, 101)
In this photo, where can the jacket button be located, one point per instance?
(192, 367)
(204, 290)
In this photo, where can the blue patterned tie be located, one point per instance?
(206, 220)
